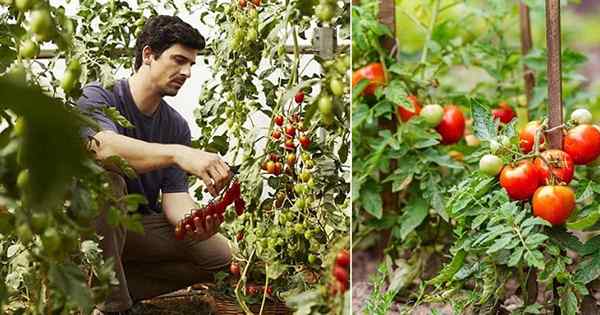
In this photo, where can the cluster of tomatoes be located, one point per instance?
(198, 216)
(340, 272)
(285, 136)
(544, 178)
(449, 121)
(246, 22)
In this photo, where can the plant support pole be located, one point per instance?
(526, 45)
(555, 113)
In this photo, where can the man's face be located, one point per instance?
(172, 68)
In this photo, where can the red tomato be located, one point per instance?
(340, 274)
(276, 134)
(504, 113)
(521, 181)
(527, 136)
(452, 126)
(554, 203)
(561, 164)
(234, 268)
(299, 97)
(372, 72)
(279, 120)
(304, 141)
(179, 232)
(290, 131)
(406, 114)
(277, 168)
(343, 258)
(582, 143)
(289, 144)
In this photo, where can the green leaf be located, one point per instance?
(515, 257)
(567, 301)
(450, 269)
(535, 239)
(483, 123)
(414, 214)
(535, 258)
(371, 200)
(69, 278)
(500, 244)
(589, 269)
(584, 223)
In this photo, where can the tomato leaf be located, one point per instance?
(483, 123)
(450, 269)
(589, 269)
(414, 214)
(371, 200)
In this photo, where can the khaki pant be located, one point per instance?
(154, 263)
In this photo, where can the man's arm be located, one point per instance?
(177, 205)
(144, 157)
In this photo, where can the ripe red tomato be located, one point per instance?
(276, 134)
(279, 120)
(406, 114)
(527, 136)
(554, 203)
(520, 181)
(304, 141)
(299, 97)
(256, 2)
(343, 258)
(504, 113)
(243, 3)
(582, 143)
(179, 232)
(340, 274)
(372, 72)
(290, 131)
(234, 268)
(561, 164)
(277, 168)
(452, 126)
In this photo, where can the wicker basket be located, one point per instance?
(227, 305)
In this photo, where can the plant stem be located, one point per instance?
(434, 15)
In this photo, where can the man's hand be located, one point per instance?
(208, 166)
(212, 227)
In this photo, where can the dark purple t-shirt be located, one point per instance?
(165, 126)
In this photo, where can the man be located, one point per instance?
(158, 149)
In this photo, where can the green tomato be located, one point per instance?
(17, 73)
(299, 228)
(251, 35)
(305, 176)
(24, 234)
(581, 116)
(41, 22)
(308, 234)
(312, 259)
(336, 86)
(325, 12)
(75, 66)
(6, 2)
(19, 128)
(51, 240)
(432, 114)
(300, 203)
(490, 164)
(300, 189)
(325, 105)
(29, 49)
(39, 222)
(69, 81)
(24, 5)
(341, 64)
(326, 119)
(23, 179)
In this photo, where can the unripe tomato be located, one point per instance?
(327, 119)
(41, 23)
(527, 136)
(406, 114)
(23, 179)
(325, 105)
(29, 49)
(325, 12)
(520, 181)
(343, 258)
(581, 116)
(561, 165)
(305, 176)
(299, 97)
(472, 140)
(75, 66)
(432, 114)
(39, 222)
(553, 203)
(51, 240)
(452, 126)
(372, 72)
(504, 113)
(270, 167)
(24, 234)
(490, 164)
(24, 5)
(336, 86)
(291, 159)
(69, 81)
(312, 259)
(582, 143)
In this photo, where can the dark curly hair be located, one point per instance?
(163, 31)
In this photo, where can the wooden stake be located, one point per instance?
(555, 117)
(526, 45)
